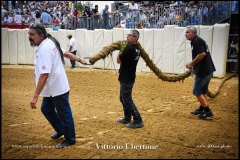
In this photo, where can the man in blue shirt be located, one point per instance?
(45, 18)
(106, 17)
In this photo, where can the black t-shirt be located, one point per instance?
(205, 66)
(38, 15)
(129, 59)
(95, 11)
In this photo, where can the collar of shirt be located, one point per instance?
(41, 44)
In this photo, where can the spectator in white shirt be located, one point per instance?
(142, 18)
(72, 48)
(18, 18)
(133, 8)
(7, 19)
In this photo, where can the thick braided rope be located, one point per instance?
(217, 89)
(117, 46)
(170, 78)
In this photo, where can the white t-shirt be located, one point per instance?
(142, 17)
(73, 43)
(47, 60)
(18, 19)
(135, 6)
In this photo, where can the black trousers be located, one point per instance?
(72, 61)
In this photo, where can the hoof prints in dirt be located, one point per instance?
(84, 119)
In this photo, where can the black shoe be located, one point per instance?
(64, 144)
(135, 125)
(123, 120)
(205, 114)
(56, 135)
(197, 111)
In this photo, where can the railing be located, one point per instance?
(177, 15)
(181, 16)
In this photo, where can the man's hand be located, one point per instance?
(41, 83)
(82, 61)
(33, 102)
(189, 65)
(118, 59)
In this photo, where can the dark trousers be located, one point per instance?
(58, 112)
(72, 61)
(129, 107)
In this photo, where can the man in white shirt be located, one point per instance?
(52, 84)
(72, 48)
(65, 20)
(18, 18)
(133, 9)
(7, 19)
(142, 17)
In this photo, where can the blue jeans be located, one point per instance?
(106, 22)
(201, 84)
(129, 107)
(58, 112)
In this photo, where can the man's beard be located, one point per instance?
(32, 43)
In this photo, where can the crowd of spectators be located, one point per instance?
(141, 14)
(181, 13)
(50, 13)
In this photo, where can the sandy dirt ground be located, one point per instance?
(169, 132)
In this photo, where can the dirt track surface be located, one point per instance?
(169, 132)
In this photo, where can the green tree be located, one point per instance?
(79, 6)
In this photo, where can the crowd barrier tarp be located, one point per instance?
(158, 35)
(168, 49)
(80, 37)
(118, 34)
(54, 34)
(4, 48)
(206, 33)
(141, 41)
(188, 53)
(62, 39)
(21, 46)
(219, 48)
(98, 44)
(29, 50)
(179, 50)
(148, 46)
(107, 40)
(126, 32)
(49, 30)
(12, 48)
(164, 46)
(89, 43)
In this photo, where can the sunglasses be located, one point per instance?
(131, 35)
(38, 27)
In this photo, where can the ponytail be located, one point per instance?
(57, 45)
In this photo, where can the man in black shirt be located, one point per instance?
(128, 60)
(203, 67)
(95, 10)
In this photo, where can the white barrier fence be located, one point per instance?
(168, 47)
